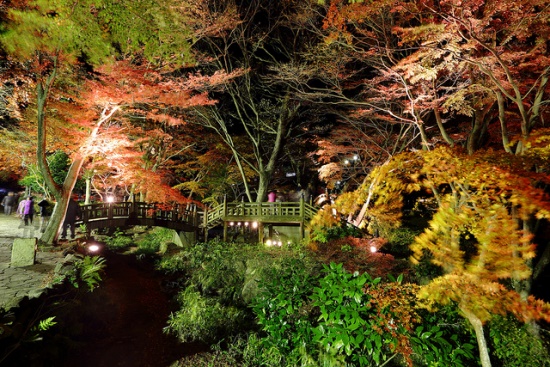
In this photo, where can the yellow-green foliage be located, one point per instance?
(474, 234)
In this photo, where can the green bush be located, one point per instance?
(326, 234)
(87, 270)
(218, 269)
(515, 346)
(152, 241)
(399, 240)
(346, 321)
(204, 319)
(173, 264)
(118, 241)
(443, 340)
(283, 307)
(240, 351)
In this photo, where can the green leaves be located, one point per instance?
(60, 28)
(90, 269)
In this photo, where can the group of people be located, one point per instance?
(26, 211)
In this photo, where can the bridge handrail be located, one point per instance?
(299, 211)
(140, 210)
(291, 211)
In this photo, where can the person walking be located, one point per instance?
(28, 210)
(45, 213)
(272, 196)
(73, 213)
(8, 202)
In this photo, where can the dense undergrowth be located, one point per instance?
(337, 304)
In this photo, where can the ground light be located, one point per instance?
(91, 247)
(270, 243)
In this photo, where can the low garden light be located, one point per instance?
(93, 247)
(373, 249)
(110, 199)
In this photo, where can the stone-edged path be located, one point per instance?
(16, 283)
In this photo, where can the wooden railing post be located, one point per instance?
(302, 217)
(205, 223)
(223, 219)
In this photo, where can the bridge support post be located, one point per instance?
(185, 239)
(260, 232)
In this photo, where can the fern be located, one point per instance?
(89, 270)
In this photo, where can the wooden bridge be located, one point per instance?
(123, 214)
(260, 215)
(188, 218)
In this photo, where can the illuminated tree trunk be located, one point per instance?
(480, 336)
(441, 127)
(62, 193)
(88, 190)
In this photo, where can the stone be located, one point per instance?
(23, 252)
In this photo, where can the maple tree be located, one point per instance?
(502, 49)
(255, 114)
(476, 234)
(58, 53)
(449, 73)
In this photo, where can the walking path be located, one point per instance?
(16, 283)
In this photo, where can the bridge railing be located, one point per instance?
(279, 211)
(140, 210)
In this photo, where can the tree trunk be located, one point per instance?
(88, 191)
(62, 196)
(480, 336)
(63, 193)
(502, 118)
(479, 130)
(543, 261)
(441, 127)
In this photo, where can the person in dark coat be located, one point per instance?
(73, 213)
(8, 203)
(45, 213)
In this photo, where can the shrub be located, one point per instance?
(152, 241)
(515, 346)
(399, 240)
(203, 318)
(118, 241)
(283, 307)
(239, 352)
(326, 234)
(443, 340)
(86, 270)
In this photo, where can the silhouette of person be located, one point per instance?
(45, 213)
(8, 202)
(73, 213)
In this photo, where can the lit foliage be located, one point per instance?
(474, 234)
